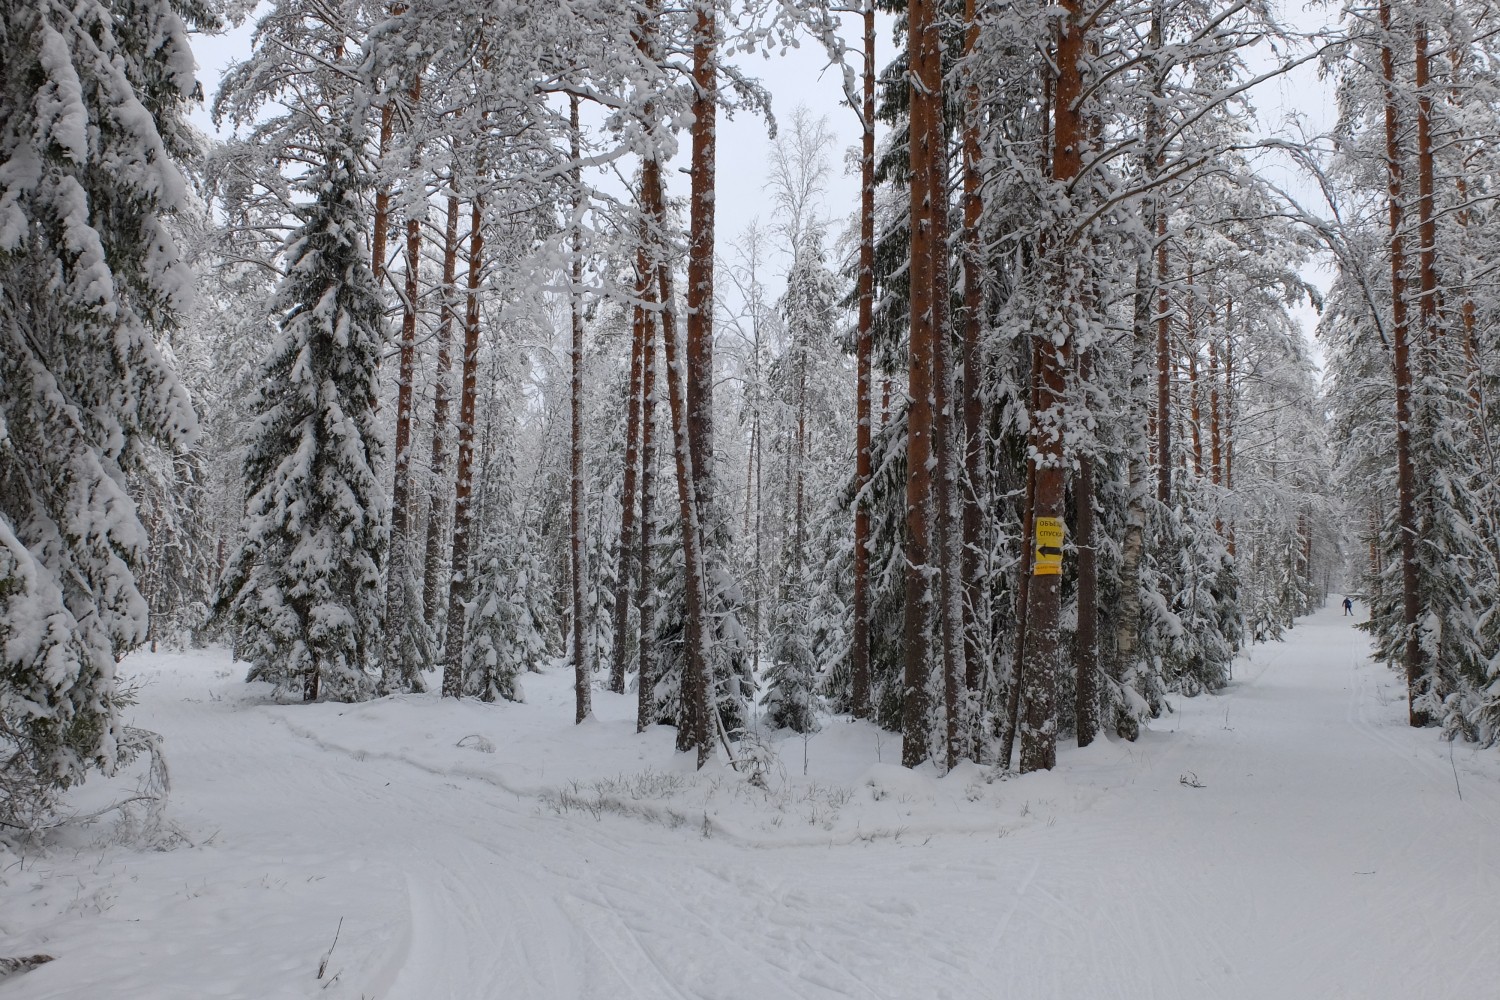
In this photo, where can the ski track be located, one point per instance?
(1326, 855)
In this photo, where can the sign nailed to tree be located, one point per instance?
(1049, 540)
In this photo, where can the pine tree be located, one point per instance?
(303, 589)
(1408, 334)
(91, 101)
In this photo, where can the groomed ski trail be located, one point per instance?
(1326, 854)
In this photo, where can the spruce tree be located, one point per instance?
(506, 624)
(91, 99)
(303, 589)
(792, 681)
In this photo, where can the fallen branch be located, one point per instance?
(16, 966)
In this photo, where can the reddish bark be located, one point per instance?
(406, 368)
(928, 161)
(693, 727)
(1044, 599)
(700, 268)
(1426, 215)
(690, 384)
(382, 198)
(864, 468)
(1401, 351)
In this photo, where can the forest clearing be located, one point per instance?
(496, 503)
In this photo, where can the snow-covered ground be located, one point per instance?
(1290, 838)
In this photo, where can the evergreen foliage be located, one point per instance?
(792, 678)
(303, 588)
(91, 135)
(507, 626)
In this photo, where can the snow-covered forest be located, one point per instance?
(432, 381)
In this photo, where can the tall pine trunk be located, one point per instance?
(1044, 599)
(1157, 158)
(402, 667)
(1215, 401)
(699, 297)
(863, 465)
(1023, 591)
(1132, 548)
(928, 253)
(1406, 484)
(1086, 637)
(975, 495)
(645, 583)
(463, 488)
(947, 501)
(406, 636)
(693, 726)
(1428, 304)
(382, 223)
(432, 563)
(627, 553)
(581, 696)
(1195, 404)
(695, 433)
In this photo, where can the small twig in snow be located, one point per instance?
(1191, 780)
(1455, 772)
(323, 964)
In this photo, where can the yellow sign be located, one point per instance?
(1049, 542)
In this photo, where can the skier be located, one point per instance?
(1348, 607)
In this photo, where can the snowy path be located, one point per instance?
(1328, 854)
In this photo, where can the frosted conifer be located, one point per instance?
(792, 700)
(506, 623)
(91, 94)
(303, 590)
